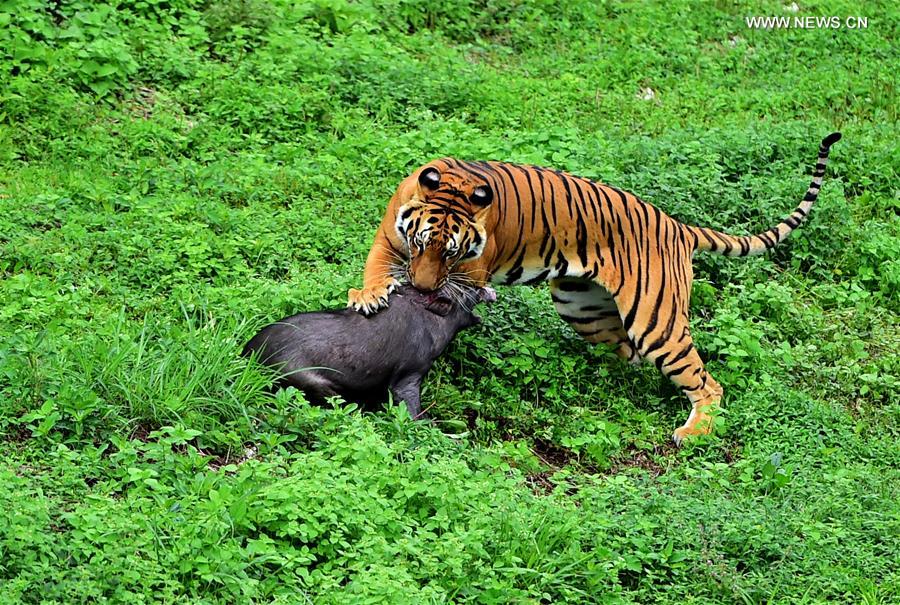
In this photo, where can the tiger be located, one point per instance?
(620, 270)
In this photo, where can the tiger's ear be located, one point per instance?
(430, 178)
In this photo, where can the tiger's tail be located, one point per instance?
(729, 245)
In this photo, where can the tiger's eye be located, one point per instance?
(482, 196)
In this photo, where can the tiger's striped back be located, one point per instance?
(575, 226)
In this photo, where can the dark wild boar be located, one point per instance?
(344, 353)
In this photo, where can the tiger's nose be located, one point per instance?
(426, 283)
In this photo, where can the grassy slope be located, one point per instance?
(234, 174)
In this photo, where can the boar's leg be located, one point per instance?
(407, 389)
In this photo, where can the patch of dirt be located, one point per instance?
(645, 460)
(732, 452)
(143, 102)
(554, 456)
(471, 416)
(140, 433)
(655, 462)
(18, 434)
(43, 226)
(216, 462)
(540, 483)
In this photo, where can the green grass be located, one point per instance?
(174, 175)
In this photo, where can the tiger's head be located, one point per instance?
(443, 224)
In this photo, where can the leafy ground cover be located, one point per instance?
(175, 174)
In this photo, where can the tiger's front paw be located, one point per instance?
(701, 422)
(371, 300)
(685, 433)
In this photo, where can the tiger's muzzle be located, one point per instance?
(428, 271)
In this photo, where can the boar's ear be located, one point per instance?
(440, 306)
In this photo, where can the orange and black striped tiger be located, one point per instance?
(619, 269)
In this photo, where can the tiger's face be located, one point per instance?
(442, 225)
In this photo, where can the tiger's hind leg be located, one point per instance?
(677, 358)
(591, 311)
(655, 318)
